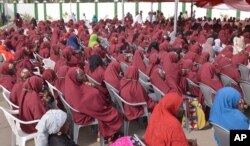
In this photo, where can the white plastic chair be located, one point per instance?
(93, 80)
(227, 81)
(121, 102)
(48, 63)
(244, 72)
(191, 84)
(245, 87)
(139, 140)
(143, 76)
(110, 88)
(208, 93)
(17, 133)
(124, 67)
(146, 61)
(69, 108)
(37, 72)
(6, 96)
(223, 135)
(159, 94)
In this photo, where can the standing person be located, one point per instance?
(94, 19)
(138, 18)
(84, 17)
(18, 20)
(239, 43)
(158, 133)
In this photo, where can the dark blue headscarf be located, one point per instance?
(72, 41)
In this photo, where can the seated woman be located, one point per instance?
(111, 74)
(49, 75)
(31, 105)
(158, 79)
(95, 69)
(207, 75)
(53, 129)
(225, 111)
(7, 75)
(158, 133)
(79, 93)
(138, 61)
(15, 93)
(187, 72)
(60, 81)
(132, 91)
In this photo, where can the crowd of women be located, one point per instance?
(200, 50)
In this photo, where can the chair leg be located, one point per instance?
(14, 139)
(76, 132)
(22, 142)
(126, 127)
(102, 143)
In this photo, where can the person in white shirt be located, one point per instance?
(72, 16)
(239, 43)
(84, 17)
(138, 18)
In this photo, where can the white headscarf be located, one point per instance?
(50, 123)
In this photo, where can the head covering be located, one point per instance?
(224, 111)
(92, 40)
(133, 92)
(60, 82)
(7, 78)
(111, 74)
(159, 133)
(49, 75)
(206, 75)
(31, 105)
(73, 42)
(138, 61)
(208, 46)
(50, 123)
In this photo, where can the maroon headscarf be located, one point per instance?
(138, 61)
(95, 105)
(158, 81)
(49, 75)
(7, 78)
(153, 60)
(224, 65)
(31, 105)
(133, 92)
(60, 81)
(172, 70)
(206, 75)
(111, 74)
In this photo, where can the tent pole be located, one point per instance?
(123, 21)
(175, 16)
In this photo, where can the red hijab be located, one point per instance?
(60, 81)
(153, 60)
(158, 133)
(49, 75)
(206, 75)
(31, 105)
(7, 78)
(138, 61)
(133, 92)
(111, 74)
(95, 105)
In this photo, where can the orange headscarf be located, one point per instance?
(164, 129)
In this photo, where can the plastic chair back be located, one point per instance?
(245, 87)
(6, 96)
(143, 76)
(244, 72)
(207, 93)
(227, 81)
(158, 92)
(223, 135)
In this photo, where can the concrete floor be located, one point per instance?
(88, 138)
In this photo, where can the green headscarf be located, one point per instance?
(93, 40)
